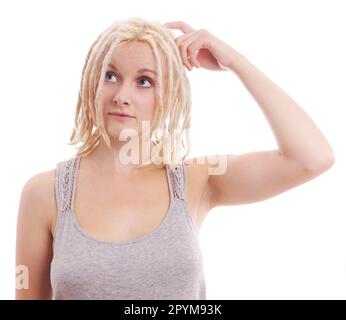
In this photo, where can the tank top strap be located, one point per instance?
(177, 180)
(65, 183)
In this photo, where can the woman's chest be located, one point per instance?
(127, 209)
(121, 210)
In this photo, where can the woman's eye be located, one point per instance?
(147, 79)
(107, 73)
(142, 78)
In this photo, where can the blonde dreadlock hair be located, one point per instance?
(173, 106)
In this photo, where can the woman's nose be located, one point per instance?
(119, 100)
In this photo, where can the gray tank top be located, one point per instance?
(165, 264)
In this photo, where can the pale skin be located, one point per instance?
(302, 154)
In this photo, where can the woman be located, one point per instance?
(114, 224)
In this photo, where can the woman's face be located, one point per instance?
(128, 89)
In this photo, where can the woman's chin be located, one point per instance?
(123, 133)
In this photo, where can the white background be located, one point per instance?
(292, 246)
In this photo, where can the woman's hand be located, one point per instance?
(202, 49)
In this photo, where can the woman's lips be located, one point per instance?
(120, 117)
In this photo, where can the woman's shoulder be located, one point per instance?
(38, 194)
(197, 168)
(197, 175)
(40, 183)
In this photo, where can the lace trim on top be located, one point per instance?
(178, 181)
(67, 171)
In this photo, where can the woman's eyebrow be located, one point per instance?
(139, 71)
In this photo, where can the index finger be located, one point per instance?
(184, 27)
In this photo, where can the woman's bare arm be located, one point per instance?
(34, 238)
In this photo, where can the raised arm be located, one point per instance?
(302, 153)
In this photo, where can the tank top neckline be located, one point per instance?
(147, 236)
